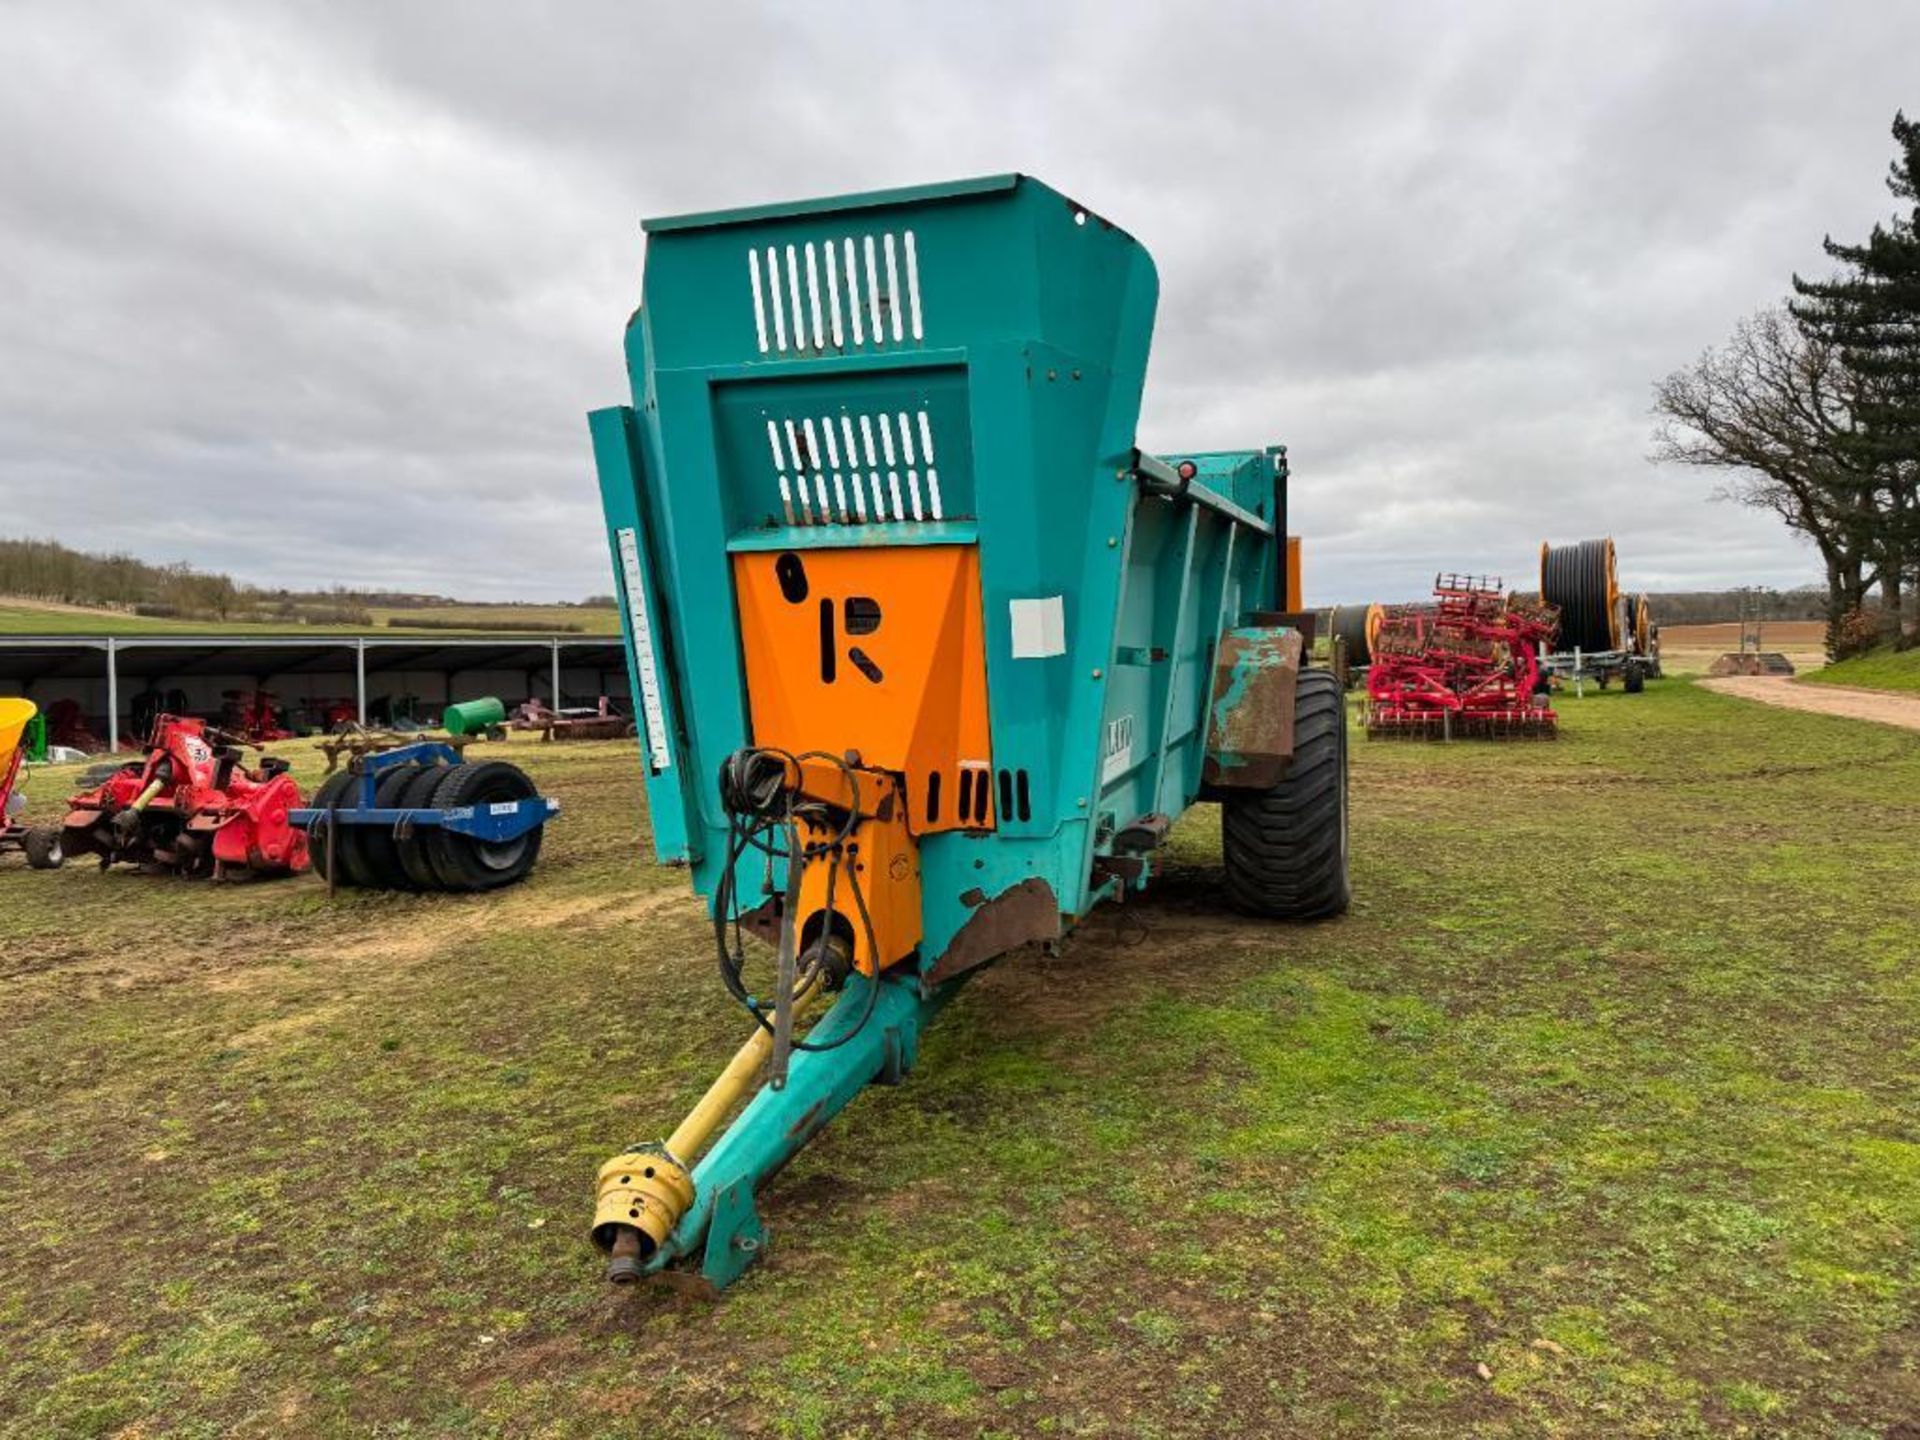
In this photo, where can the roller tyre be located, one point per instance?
(318, 838)
(377, 846)
(464, 863)
(415, 853)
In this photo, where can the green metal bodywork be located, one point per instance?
(1009, 326)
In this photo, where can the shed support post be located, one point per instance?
(113, 695)
(556, 677)
(360, 676)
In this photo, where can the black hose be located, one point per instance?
(1580, 580)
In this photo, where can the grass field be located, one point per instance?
(25, 617)
(1599, 1116)
(1880, 670)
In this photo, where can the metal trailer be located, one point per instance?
(927, 654)
(1601, 668)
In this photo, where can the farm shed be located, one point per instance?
(104, 674)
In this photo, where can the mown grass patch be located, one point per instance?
(1597, 1116)
(1883, 669)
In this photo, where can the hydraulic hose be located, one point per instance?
(765, 813)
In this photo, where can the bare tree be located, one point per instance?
(1773, 407)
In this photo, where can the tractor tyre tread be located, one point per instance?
(1286, 848)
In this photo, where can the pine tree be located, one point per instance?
(1870, 313)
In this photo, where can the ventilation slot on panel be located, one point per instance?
(976, 793)
(882, 462)
(933, 797)
(852, 292)
(1016, 795)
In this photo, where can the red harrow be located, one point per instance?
(1465, 665)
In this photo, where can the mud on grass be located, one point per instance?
(1596, 1117)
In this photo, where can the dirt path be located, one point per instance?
(1876, 705)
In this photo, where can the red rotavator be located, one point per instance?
(191, 806)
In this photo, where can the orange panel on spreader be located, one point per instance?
(877, 650)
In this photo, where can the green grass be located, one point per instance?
(26, 618)
(1884, 669)
(1609, 1085)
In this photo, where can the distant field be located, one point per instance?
(1690, 649)
(484, 617)
(29, 617)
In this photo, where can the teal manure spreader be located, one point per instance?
(927, 654)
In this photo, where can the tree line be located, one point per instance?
(1812, 408)
(48, 570)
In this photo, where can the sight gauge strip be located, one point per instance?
(653, 713)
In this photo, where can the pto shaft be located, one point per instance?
(644, 1191)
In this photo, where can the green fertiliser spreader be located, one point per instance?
(927, 655)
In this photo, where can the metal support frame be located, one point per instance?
(1282, 561)
(1188, 546)
(113, 696)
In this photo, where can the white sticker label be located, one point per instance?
(1039, 627)
(653, 712)
(505, 807)
(1118, 751)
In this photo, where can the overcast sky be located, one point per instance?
(322, 293)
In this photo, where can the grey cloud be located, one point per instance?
(275, 272)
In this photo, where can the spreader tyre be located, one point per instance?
(1286, 848)
(415, 853)
(1636, 680)
(318, 837)
(378, 849)
(461, 861)
(44, 849)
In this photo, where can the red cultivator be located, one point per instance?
(1465, 665)
(191, 807)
